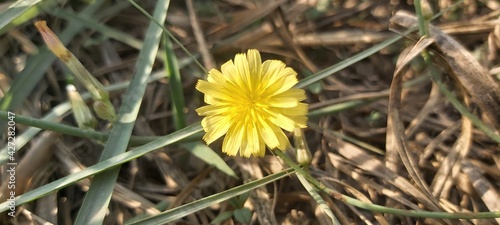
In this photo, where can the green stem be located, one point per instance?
(78, 132)
(174, 77)
(422, 21)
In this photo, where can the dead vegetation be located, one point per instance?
(401, 147)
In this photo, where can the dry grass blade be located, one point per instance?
(466, 70)
(348, 41)
(287, 38)
(370, 164)
(208, 59)
(451, 164)
(122, 194)
(29, 170)
(426, 110)
(342, 165)
(396, 140)
(484, 188)
(259, 196)
(244, 19)
(37, 157)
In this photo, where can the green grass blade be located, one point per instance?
(339, 107)
(104, 165)
(95, 25)
(170, 35)
(382, 209)
(174, 75)
(58, 111)
(347, 62)
(61, 109)
(97, 199)
(209, 156)
(322, 204)
(192, 207)
(36, 66)
(17, 13)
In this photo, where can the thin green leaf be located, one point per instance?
(95, 25)
(222, 217)
(18, 10)
(322, 204)
(97, 199)
(104, 165)
(243, 215)
(174, 75)
(37, 65)
(192, 207)
(347, 62)
(209, 156)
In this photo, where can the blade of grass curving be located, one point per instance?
(204, 153)
(462, 109)
(56, 112)
(63, 108)
(20, 10)
(315, 195)
(174, 77)
(104, 165)
(382, 209)
(343, 106)
(37, 65)
(192, 207)
(336, 134)
(96, 201)
(347, 62)
(47, 124)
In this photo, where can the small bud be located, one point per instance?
(426, 10)
(95, 88)
(55, 45)
(304, 157)
(81, 111)
(105, 110)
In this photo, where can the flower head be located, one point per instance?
(250, 102)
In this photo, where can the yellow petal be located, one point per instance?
(243, 71)
(213, 90)
(233, 139)
(268, 134)
(281, 85)
(215, 126)
(212, 110)
(295, 93)
(251, 101)
(283, 102)
(216, 77)
(254, 61)
(300, 120)
(250, 144)
(271, 70)
(282, 138)
(254, 66)
(281, 120)
(231, 74)
(300, 109)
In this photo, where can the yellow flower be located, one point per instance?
(251, 102)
